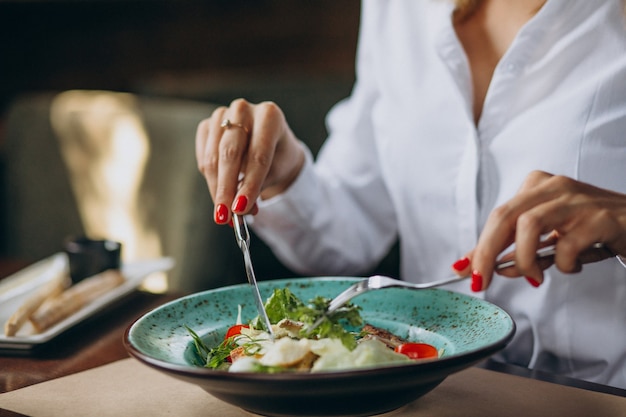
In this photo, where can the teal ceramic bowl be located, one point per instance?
(466, 328)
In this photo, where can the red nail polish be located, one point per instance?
(533, 282)
(461, 264)
(241, 204)
(221, 214)
(477, 281)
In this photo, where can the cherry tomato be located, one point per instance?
(417, 350)
(235, 330)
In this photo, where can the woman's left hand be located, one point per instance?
(573, 215)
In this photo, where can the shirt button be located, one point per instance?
(512, 67)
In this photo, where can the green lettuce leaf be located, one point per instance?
(284, 304)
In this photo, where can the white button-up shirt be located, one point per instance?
(405, 159)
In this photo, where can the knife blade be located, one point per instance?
(242, 236)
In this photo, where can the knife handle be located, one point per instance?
(597, 252)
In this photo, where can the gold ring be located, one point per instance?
(227, 124)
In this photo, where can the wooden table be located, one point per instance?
(98, 341)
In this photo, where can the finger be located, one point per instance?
(202, 133)
(534, 179)
(500, 229)
(595, 254)
(556, 216)
(231, 150)
(543, 261)
(463, 266)
(207, 143)
(498, 234)
(578, 223)
(268, 127)
(575, 246)
(531, 226)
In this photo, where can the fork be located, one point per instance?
(242, 236)
(377, 282)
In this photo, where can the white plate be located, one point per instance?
(14, 290)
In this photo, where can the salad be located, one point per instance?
(342, 341)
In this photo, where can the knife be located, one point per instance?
(243, 240)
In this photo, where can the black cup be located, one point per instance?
(88, 257)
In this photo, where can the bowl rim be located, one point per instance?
(463, 359)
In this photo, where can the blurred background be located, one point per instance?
(173, 47)
(99, 101)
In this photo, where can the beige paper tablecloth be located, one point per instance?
(129, 388)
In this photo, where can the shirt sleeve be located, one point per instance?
(337, 217)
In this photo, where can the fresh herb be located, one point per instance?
(250, 347)
(334, 324)
(218, 356)
(283, 304)
(213, 358)
(201, 348)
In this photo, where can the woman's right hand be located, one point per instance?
(256, 155)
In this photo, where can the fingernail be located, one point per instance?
(240, 204)
(221, 214)
(461, 264)
(477, 281)
(533, 282)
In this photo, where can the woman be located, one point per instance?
(453, 108)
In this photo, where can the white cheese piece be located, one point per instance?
(369, 353)
(286, 352)
(244, 364)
